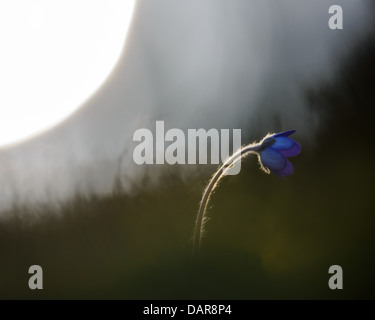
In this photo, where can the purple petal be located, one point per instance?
(272, 159)
(282, 143)
(293, 151)
(284, 134)
(288, 170)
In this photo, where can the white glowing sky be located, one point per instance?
(53, 56)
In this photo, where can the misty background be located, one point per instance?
(125, 230)
(193, 64)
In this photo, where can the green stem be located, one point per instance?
(211, 186)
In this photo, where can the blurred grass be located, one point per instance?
(266, 238)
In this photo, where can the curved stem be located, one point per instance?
(211, 186)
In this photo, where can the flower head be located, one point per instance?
(274, 151)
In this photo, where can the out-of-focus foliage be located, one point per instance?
(266, 238)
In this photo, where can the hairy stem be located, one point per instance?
(237, 156)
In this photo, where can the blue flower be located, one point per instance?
(274, 152)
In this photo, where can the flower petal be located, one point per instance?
(272, 159)
(293, 151)
(284, 134)
(288, 170)
(282, 143)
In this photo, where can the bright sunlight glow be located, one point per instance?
(53, 56)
